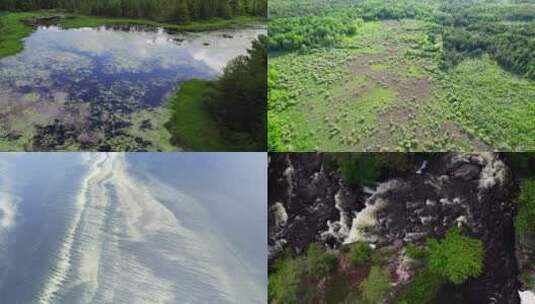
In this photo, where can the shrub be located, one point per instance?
(456, 257)
(375, 286)
(527, 280)
(365, 168)
(416, 252)
(423, 288)
(360, 168)
(524, 220)
(285, 280)
(319, 263)
(522, 164)
(276, 131)
(360, 253)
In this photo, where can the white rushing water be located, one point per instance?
(527, 297)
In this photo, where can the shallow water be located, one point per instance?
(109, 228)
(83, 85)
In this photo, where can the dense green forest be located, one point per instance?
(467, 28)
(228, 114)
(463, 70)
(304, 33)
(161, 10)
(239, 101)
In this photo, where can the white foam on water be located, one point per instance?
(124, 245)
(367, 218)
(527, 297)
(339, 229)
(205, 253)
(63, 263)
(280, 214)
(493, 172)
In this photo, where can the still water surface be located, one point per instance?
(86, 86)
(132, 228)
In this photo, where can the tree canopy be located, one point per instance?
(161, 10)
(376, 285)
(456, 257)
(319, 262)
(239, 102)
(526, 201)
(469, 28)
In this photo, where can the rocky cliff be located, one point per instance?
(309, 201)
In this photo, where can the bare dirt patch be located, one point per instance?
(417, 89)
(412, 92)
(458, 134)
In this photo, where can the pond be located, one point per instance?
(105, 88)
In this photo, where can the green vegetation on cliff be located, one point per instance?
(285, 280)
(524, 222)
(375, 287)
(456, 257)
(319, 262)
(360, 253)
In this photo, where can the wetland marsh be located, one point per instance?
(407, 75)
(105, 88)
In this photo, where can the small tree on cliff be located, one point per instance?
(375, 287)
(526, 201)
(360, 253)
(456, 257)
(319, 262)
(285, 280)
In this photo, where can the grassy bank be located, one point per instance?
(13, 29)
(191, 125)
(214, 24)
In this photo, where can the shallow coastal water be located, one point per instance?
(103, 88)
(110, 228)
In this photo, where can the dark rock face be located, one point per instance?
(471, 192)
(303, 193)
